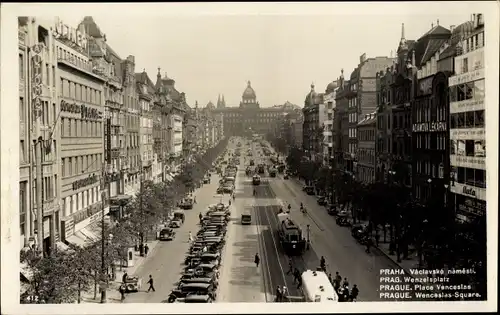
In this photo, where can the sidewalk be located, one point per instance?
(112, 293)
(383, 248)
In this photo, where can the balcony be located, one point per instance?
(83, 67)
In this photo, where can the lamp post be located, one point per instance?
(392, 244)
(308, 236)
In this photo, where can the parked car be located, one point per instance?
(358, 231)
(175, 224)
(322, 200)
(167, 234)
(285, 176)
(309, 190)
(332, 210)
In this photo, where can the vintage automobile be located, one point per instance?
(167, 234)
(286, 176)
(322, 200)
(206, 180)
(188, 289)
(342, 219)
(359, 231)
(175, 224)
(220, 190)
(332, 210)
(195, 298)
(309, 190)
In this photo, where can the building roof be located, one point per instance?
(143, 78)
(210, 105)
(331, 86)
(431, 49)
(249, 92)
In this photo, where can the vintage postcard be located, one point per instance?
(256, 157)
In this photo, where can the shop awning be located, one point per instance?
(78, 239)
(26, 272)
(61, 246)
(89, 233)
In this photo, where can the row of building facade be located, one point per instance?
(84, 112)
(416, 119)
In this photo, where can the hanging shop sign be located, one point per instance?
(466, 77)
(469, 191)
(37, 83)
(469, 206)
(92, 179)
(85, 112)
(435, 126)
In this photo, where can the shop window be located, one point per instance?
(460, 175)
(479, 118)
(469, 177)
(469, 119)
(480, 178)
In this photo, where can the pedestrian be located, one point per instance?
(146, 249)
(368, 244)
(229, 201)
(125, 277)
(377, 239)
(290, 267)
(330, 278)
(299, 283)
(257, 260)
(338, 278)
(190, 237)
(284, 293)
(354, 293)
(200, 216)
(150, 282)
(122, 292)
(278, 294)
(345, 284)
(296, 275)
(194, 199)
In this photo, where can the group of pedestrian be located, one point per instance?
(123, 287)
(342, 288)
(281, 294)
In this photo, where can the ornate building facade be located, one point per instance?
(249, 118)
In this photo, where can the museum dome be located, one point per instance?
(249, 93)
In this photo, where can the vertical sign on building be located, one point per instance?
(36, 85)
(108, 140)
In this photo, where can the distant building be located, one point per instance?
(312, 133)
(329, 106)
(367, 129)
(249, 118)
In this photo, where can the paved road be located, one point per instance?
(240, 279)
(167, 258)
(335, 243)
(276, 260)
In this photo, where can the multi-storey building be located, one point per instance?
(189, 128)
(312, 136)
(384, 79)
(341, 126)
(362, 100)
(107, 63)
(467, 125)
(367, 129)
(146, 92)
(176, 107)
(430, 118)
(328, 130)
(39, 143)
(82, 123)
(132, 166)
(249, 118)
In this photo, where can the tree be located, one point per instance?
(294, 159)
(52, 277)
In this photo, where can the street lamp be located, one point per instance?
(308, 235)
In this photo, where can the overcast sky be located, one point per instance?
(280, 48)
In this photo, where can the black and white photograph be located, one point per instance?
(293, 157)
